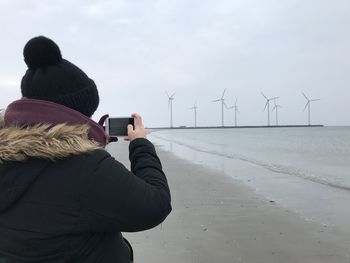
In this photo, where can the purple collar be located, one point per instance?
(30, 112)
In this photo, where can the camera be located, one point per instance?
(119, 126)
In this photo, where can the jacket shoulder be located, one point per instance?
(95, 157)
(99, 154)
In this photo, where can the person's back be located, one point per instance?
(63, 198)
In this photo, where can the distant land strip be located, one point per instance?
(232, 127)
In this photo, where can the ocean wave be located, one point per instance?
(277, 168)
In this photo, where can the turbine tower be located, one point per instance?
(307, 105)
(170, 106)
(276, 109)
(235, 107)
(194, 108)
(267, 105)
(222, 107)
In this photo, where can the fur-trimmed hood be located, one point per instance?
(35, 143)
(43, 141)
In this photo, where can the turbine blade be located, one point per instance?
(306, 105)
(172, 96)
(223, 94)
(305, 96)
(264, 95)
(274, 98)
(315, 100)
(267, 102)
(167, 94)
(216, 100)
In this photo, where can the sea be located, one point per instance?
(303, 170)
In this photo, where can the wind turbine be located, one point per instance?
(276, 109)
(194, 108)
(235, 107)
(222, 107)
(268, 107)
(307, 105)
(170, 106)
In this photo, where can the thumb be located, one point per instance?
(130, 128)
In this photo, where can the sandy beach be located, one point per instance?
(216, 218)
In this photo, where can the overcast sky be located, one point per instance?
(135, 50)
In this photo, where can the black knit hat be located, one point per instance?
(50, 77)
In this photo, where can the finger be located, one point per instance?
(138, 120)
(130, 128)
(135, 115)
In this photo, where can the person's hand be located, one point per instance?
(139, 131)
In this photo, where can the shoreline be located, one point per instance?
(216, 218)
(234, 127)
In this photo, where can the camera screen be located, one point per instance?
(118, 126)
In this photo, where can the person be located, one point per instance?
(63, 197)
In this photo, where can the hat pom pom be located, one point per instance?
(41, 52)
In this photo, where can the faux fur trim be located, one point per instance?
(44, 141)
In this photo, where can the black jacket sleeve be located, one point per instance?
(119, 200)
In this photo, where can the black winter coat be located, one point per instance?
(68, 201)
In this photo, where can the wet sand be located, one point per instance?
(216, 218)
